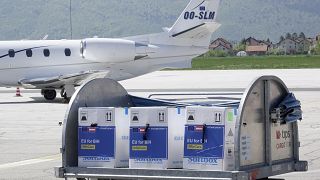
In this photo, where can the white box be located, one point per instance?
(209, 138)
(156, 137)
(103, 137)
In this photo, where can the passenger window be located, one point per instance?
(67, 52)
(29, 53)
(46, 52)
(11, 53)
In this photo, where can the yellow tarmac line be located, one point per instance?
(30, 161)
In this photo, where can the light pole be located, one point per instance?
(70, 18)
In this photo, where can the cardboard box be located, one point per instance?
(209, 138)
(156, 137)
(103, 137)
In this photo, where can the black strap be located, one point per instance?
(203, 132)
(145, 132)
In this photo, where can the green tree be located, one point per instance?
(302, 35)
(288, 36)
(281, 38)
(243, 41)
(316, 49)
(268, 40)
(294, 36)
(240, 47)
(216, 53)
(275, 51)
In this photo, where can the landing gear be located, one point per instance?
(49, 94)
(63, 94)
(67, 91)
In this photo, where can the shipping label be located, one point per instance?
(204, 144)
(149, 145)
(96, 144)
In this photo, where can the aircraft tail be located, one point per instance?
(197, 21)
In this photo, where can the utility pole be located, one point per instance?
(70, 18)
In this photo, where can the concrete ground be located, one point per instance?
(30, 135)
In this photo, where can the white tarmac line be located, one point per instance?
(30, 161)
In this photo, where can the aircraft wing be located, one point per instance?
(58, 82)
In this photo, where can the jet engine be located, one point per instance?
(112, 50)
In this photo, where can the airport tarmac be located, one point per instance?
(30, 135)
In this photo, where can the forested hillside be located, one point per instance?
(33, 19)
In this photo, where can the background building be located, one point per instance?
(221, 44)
(318, 38)
(257, 50)
(288, 46)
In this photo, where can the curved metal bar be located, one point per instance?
(95, 93)
(265, 92)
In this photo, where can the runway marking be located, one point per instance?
(30, 161)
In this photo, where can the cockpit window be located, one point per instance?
(11, 53)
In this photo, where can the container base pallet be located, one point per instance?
(178, 174)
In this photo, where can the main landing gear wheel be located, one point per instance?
(49, 94)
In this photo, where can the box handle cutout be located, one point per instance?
(94, 125)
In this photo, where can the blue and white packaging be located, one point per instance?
(156, 137)
(103, 137)
(209, 138)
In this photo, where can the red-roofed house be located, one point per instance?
(221, 44)
(252, 42)
(257, 50)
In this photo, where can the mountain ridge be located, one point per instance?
(33, 19)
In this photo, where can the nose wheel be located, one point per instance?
(49, 94)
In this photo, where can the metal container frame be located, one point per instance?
(109, 93)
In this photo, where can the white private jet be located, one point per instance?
(51, 65)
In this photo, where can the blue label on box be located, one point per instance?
(204, 144)
(126, 111)
(148, 143)
(96, 143)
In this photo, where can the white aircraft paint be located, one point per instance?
(51, 68)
